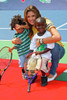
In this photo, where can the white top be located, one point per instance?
(49, 45)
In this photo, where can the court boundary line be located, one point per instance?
(58, 28)
(5, 28)
(62, 26)
(10, 40)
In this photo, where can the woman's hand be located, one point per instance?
(16, 41)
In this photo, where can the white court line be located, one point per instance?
(64, 42)
(58, 28)
(62, 26)
(5, 28)
(62, 29)
(10, 40)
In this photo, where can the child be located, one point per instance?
(23, 34)
(44, 49)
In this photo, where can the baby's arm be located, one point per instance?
(22, 26)
(42, 52)
(25, 26)
(16, 41)
(47, 48)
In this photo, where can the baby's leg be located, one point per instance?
(44, 62)
(38, 65)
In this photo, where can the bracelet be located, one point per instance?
(41, 41)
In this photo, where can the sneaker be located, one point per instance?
(43, 80)
(24, 76)
(52, 78)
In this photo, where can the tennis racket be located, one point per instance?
(31, 70)
(5, 59)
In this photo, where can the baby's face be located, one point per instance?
(41, 27)
(18, 29)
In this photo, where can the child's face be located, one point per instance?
(41, 27)
(18, 30)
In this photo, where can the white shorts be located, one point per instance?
(34, 62)
(44, 63)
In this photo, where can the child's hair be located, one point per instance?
(17, 20)
(41, 20)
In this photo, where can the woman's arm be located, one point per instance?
(54, 38)
(52, 29)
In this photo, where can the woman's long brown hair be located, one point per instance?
(37, 13)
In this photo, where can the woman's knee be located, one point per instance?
(62, 52)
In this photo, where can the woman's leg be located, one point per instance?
(57, 53)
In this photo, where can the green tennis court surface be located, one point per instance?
(15, 55)
(62, 77)
(9, 44)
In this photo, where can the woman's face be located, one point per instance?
(31, 17)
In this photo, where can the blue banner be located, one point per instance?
(40, 4)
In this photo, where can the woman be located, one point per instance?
(30, 15)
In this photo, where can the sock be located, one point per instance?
(23, 71)
(43, 73)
